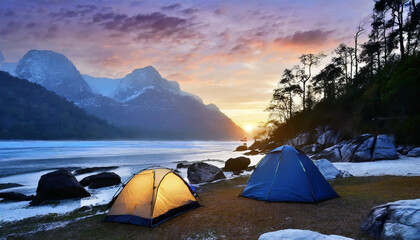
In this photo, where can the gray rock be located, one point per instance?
(14, 196)
(329, 138)
(350, 147)
(241, 148)
(300, 140)
(100, 180)
(363, 153)
(384, 148)
(204, 172)
(297, 234)
(318, 132)
(329, 171)
(415, 152)
(9, 185)
(237, 164)
(58, 185)
(361, 149)
(403, 150)
(395, 220)
(332, 154)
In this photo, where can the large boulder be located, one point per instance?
(329, 171)
(363, 152)
(333, 154)
(350, 147)
(404, 150)
(57, 185)
(297, 234)
(415, 152)
(100, 180)
(384, 148)
(300, 140)
(237, 164)
(328, 139)
(204, 172)
(14, 196)
(395, 220)
(364, 148)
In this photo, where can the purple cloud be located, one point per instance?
(171, 7)
(312, 37)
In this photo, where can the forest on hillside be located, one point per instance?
(29, 111)
(371, 87)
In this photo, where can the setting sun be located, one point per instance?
(248, 127)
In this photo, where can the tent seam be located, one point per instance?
(275, 174)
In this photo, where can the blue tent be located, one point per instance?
(288, 175)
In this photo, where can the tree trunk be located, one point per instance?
(400, 18)
(355, 53)
(304, 84)
(385, 43)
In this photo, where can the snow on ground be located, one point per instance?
(24, 162)
(405, 166)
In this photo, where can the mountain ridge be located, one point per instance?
(142, 100)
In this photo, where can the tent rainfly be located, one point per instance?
(288, 175)
(152, 197)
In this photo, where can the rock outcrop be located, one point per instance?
(14, 196)
(300, 140)
(395, 220)
(58, 185)
(415, 152)
(329, 171)
(364, 148)
(100, 180)
(204, 172)
(237, 164)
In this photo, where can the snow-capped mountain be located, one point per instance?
(55, 72)
(143, 100)
(103, 86)
(139, 81)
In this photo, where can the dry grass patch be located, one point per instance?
(225, 215)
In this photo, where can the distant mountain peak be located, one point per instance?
(141, 80)
(54, 71)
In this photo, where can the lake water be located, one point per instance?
(24, 162)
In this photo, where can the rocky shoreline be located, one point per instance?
(339, 146)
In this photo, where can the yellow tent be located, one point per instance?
(152, 197)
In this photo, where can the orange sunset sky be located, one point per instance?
(230, 53)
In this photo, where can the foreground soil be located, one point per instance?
(225, 215)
